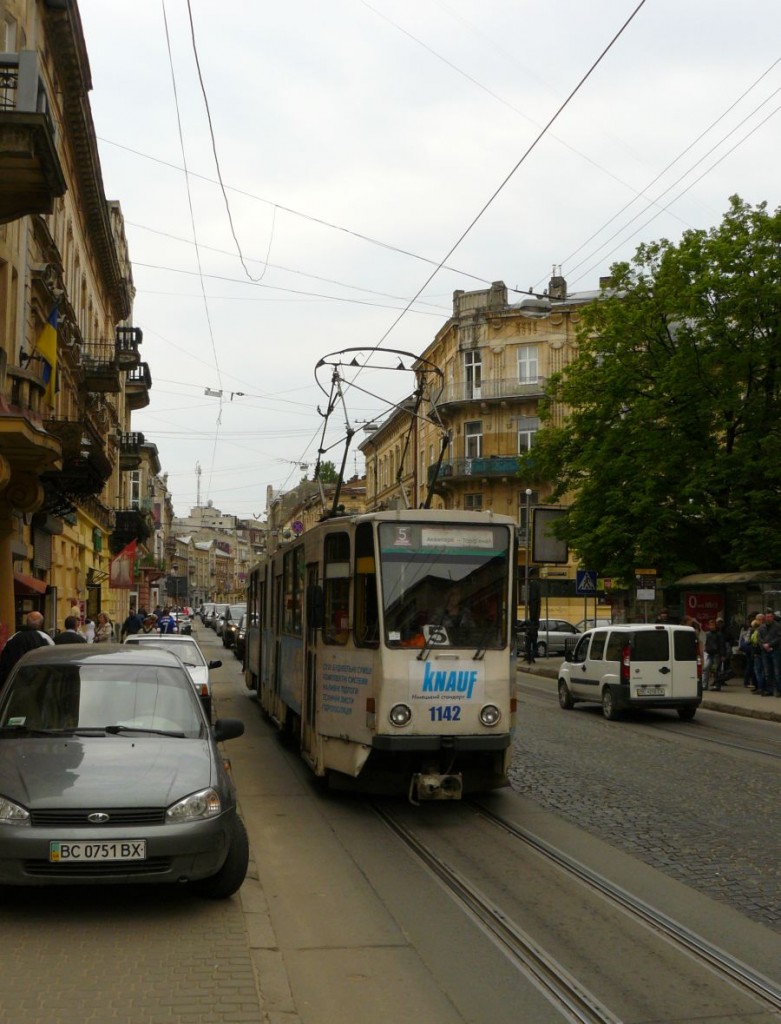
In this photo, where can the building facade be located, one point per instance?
(73, 475)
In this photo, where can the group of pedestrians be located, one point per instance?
(760, 642)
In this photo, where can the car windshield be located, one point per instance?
(236, 611)
(154, 698)
(189, 652)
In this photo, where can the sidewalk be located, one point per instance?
(735, 699)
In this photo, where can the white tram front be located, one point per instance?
(383, 643)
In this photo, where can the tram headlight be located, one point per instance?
(400, 714)
(490, 714)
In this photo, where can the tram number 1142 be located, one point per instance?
(446, 714)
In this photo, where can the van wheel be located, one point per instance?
(541, 649)
(565, 697)
(686, 714)
(609, 709)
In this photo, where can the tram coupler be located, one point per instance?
(433, 786)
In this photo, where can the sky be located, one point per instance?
(300, 179)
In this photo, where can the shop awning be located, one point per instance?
(28, 586)
(716, 579)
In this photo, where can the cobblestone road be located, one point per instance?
(701, 813)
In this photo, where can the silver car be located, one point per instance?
(553, 637)
(110, 773)
(187, 649)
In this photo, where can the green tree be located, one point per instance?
(328, 473)
(669, 452)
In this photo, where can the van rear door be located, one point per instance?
(651, 672)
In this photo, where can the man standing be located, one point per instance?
(26, 639)
(71, 634)
(167, 623)
(770, 644)
(715, 650)
(132, 624)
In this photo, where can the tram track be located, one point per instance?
(722, 963)
(574, 1001)
(565, 992)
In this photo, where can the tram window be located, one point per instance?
(367, 615)
(336, 589)
(293, 585)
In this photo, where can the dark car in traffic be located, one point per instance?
(110, 773)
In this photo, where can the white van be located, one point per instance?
(634, 666)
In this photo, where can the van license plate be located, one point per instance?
(119, 849)
(650, 691)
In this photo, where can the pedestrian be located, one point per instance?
(89, 630)
(150, 624)
(167, 623)
(131, 625)
(71, 634)
(530, 640)
(770, 642)
(104, 632)
(32, 635)
(715, 648)
(744, 646)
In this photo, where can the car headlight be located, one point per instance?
(490, 714)
(400, 714)
(13, 814)
(196, 806)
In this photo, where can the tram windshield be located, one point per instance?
(445, 584)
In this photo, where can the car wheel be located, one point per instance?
(541, 649)
(565, 697)
(229, 878)
(687, 714)
(608, 705)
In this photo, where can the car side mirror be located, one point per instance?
(215, 664)
(227, 729)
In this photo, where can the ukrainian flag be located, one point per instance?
(47, 350)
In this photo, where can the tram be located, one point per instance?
(383, 643)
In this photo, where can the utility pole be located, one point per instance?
(198, 485)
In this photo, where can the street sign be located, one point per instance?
(585, 582)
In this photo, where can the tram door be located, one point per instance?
(276, 625)
(309, 710)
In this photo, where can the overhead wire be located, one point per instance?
(672, 163)
(216, 156)
(298, 213)
(192, 218)
(690, 186)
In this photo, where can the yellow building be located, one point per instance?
(74, 478)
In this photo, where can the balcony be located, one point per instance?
(100, 364)
(461, 469)
(85, 467)
(127, 341)
(24, 440)
(137, 385)
(130, 451)
(129, 524)
(456, 392)
(31, 175)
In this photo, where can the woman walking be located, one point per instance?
(104, 632)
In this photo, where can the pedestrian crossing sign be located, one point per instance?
(585, 582)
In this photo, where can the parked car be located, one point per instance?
(553, 635)
(230, 624)
(585, 624)
(110, 773)
(186, 648)
(635, 666)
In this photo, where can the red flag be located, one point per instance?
(122, 568)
